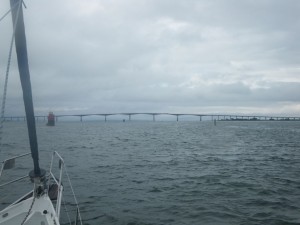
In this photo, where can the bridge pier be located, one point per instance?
(129, 117)
(105, 118)
(200, 118)
(153, 117)
(177, 117)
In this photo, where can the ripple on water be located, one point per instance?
(244, 173)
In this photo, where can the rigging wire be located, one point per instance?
(7, 74)
(73, 193)
(5, 14)
(66, 210)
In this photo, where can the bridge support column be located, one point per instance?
(80, 118)
(129, 117)
(177, 118)
(105, 118)
(200, 118)
(153, 117)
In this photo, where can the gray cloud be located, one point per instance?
(178, 56)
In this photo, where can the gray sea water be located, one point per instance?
(153, 173)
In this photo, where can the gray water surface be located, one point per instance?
(238, 172)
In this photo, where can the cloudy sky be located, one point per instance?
(177, 56)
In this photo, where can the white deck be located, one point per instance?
(42, 213)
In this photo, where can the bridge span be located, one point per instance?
(217, 117)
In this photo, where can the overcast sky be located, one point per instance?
(177, 56)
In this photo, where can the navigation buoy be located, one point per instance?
(51, 119)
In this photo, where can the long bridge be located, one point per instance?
(224, 117)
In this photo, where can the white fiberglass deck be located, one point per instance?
(42, 213)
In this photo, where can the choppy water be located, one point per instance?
(142, 173)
